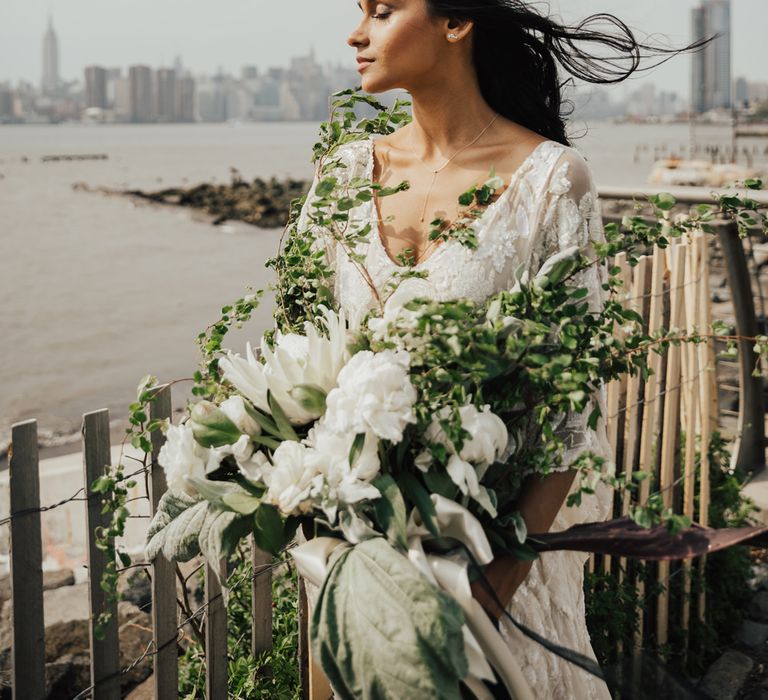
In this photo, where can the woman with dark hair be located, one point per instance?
(484, 80)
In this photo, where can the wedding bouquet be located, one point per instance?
(399, 444)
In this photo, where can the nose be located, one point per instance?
(357, 37)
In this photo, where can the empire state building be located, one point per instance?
(51, 80)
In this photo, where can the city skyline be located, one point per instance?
(322, 26)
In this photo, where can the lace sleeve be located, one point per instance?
(571, 217)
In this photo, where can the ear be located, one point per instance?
(461, 28)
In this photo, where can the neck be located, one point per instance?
(448, 113)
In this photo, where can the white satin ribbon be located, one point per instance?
(483, 645)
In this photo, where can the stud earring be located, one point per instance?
(453, 36)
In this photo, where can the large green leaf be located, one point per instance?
(389, 511)
(175, 527)
(184, 527)
(382, 631)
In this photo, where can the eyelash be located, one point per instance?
(381, 15)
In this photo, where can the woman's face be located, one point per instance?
(402, 42)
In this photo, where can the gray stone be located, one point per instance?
(51, 580)
(65, 604)
(758, 607)
(759, 580)
(144, 691)
(753, 634)
(726, 676)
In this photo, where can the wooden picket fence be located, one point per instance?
(649, 421)
(659, 425)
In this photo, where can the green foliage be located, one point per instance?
(274, 674)
(375, 607)
(613, 606)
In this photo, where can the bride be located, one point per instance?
(483, 80)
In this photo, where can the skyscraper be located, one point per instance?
(711, 74)
(51, 80)
(96, 87)
(166, 94)
(142, 103)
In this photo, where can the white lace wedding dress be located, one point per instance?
(549, 204)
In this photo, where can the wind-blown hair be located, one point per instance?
(517, 50)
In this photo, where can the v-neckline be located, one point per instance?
(375, 213)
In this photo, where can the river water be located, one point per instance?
(97, 291)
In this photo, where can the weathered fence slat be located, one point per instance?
(651, 404)
(164, 605)
(671, 426)
(706, 364)
(28, 643)
(105, 652)
(261, 601)
(216, 659)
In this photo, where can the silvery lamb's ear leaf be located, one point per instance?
(174, 529)
(373, 605)
(212, 537)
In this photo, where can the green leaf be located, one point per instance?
(211, 537)
(389, 511)
(175, 527)
(211, 426)
(419, 496)
(269, 531)
(356, 448)
(266, 423)
(241, 502)
(381, 630)
(284, 426)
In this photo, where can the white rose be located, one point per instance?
(289, 483)
(374, 394)
(342, 483)
(488, 440)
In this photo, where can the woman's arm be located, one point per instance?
(540, 501)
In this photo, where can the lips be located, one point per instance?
(363, 62)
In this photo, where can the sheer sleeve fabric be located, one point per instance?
(570, 216)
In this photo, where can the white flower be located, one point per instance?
(374, 394)
(397, 324)
(290, 481)
(182, 456)
(234, 409)
(343, 483)
(488, 440)
(257, 468)
(296, 359)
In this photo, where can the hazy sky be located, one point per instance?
(231, 33)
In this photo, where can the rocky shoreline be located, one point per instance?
(262, 203)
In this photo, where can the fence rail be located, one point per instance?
(647, 421)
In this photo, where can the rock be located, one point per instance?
(51, 580)
(138, 590)
(759, 694)
(726, 676)
(758, 607)
(65, 604)
(753, 634)
(67, 676)
(759, 580)
(135, 637)
(145, 691)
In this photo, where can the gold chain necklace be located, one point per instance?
(444, 165)
(416, 259)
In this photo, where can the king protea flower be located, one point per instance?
(298, 373)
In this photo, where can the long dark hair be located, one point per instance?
(517, 50)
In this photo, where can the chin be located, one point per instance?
(375, 86)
